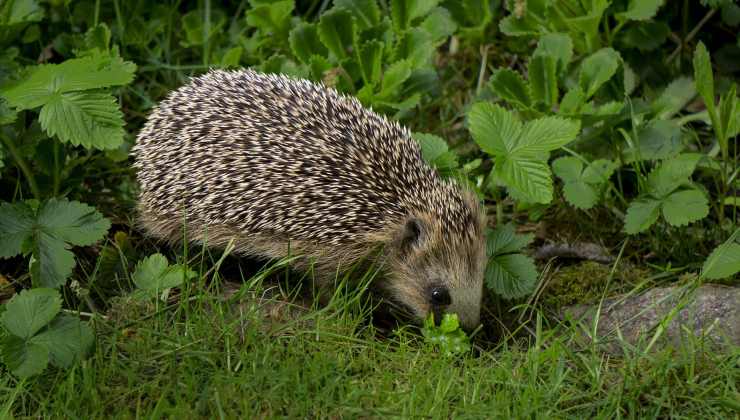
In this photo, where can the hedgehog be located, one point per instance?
(278, 166)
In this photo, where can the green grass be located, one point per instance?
(206, 355)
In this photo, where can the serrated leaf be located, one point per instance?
(393, 78)
(543, 80)
(16, 224)
(44, 82)
(510, 86)
(504, 240)
(641, 214)
(22, 358)
(73, 222)
(580, 194)
(674, 98)
(415, 46)
(599, 171)
(671, 174)
(30, 310)
(568, 168)
(403, 12)
(154, 275)
(67, 339)
(684, 207)
(556, 45)
(640, 10)
(51, 262)
(493, 127)
(544, 135)
(305, 43)
(646, 35)
(92, 120)
(528, 180)
(511, 276)
(572, 102)
(366, 12)
(435, 151)
(660, 139)
(597, 69)
(338, 32)
(370, 60)
(704, 80)
(439, 24)
(723, 262)
(271, 17)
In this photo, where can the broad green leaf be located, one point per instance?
(73, 222)
(728, 111)
(512, 275)
(13, 12)
(640, 10)
(271, 18)
(51, 262)
(30, 310)
(568, 168)
(393, 78)
(449, 323)
(439, 24)
(196, 33)
(22, 358)
(493, 127)
(599, 171)
(403, 12)
(641, 214)
(645, 35)
(16, 226)
(154, 275)
(370, 59)
(231, 57)
(447, 336)
(305, 43)
(366, 12)
(338, 32)
(705, 80)
(43, 83)
(435, 151)
(67, 339)
(526, 18)
(510, 86)
(543, 80)
(528, 180)
(671, 174)
(546, 134)
(723, 262)
(7, 115)
(504, 240)
(415, 46)
(674, 98)
(660, 139)
(580, 194)
(92, 120)
(558, 46)
(572, 102)
(597, 69)
(684, 207)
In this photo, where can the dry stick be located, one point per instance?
(691, 35)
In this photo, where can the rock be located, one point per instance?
(711, 315)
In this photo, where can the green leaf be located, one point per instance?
(43, 83)
(581, 195)
(439, 24)
(723, 262)
(572, 102)
(51, 262)
(271, 17)
(154, 275)
(13, 12)
(393, 78)
(504, 240)
(728, 112)
(338, 32)
(646, 35)
(705, 81)
(73, 222)
(305, 43)
(510, 86)
(599, 171)
(22, 358)
(448, 336)
(641, 214)
(493, 127)
(7, 115)
(403, 12)
(568, 168)
(67, 339)
(30, 310)
(640, 10)
(511, 276)
(546, 134)
(435, 151)
(16, 227)
(528, 180)
(92, 120)
(674, 98)
(366, 12)
(370, 60)
(558, 46)
(597, 69)
(415, 46)
(543, 79)
(672, 174)
(660, 139)
(684, 207)
(582, 187)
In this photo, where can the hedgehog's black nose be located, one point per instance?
(440, 296)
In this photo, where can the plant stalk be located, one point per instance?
(22, 164)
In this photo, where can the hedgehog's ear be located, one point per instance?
(412, 234)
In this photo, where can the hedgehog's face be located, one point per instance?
(435, 273)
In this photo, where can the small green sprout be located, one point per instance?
(448, 336)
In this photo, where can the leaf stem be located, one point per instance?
(22, 164)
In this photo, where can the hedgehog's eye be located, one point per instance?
(440, 296)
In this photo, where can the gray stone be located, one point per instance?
(710, 316)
